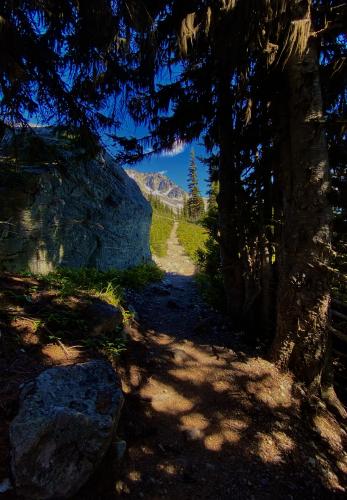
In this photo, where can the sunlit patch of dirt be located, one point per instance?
(267, 384)
(135, 377)
(194, 420)
(272, 448)
(331, 432)
(206, 406)
(221, 386)
(56, 354)
(165, 399)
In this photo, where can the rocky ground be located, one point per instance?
(206, 418)
(204, 415)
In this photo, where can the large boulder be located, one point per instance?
(65, 424)
(62, 208)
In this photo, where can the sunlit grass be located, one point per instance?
(160, 232)
(61, 323)
(192, 237)
(68, 281)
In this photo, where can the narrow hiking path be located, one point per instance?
(175, 261)
(203, 417)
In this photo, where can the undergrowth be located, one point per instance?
(192, 237)
(58, 322)
(161, 228)
(108, 284)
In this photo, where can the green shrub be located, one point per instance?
(210, 278)
(212, 289)
(140, 276)
(192, 237)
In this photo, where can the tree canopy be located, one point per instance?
(262, 83)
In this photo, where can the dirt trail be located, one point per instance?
(205, 419)
(175, 261)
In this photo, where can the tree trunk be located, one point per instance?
(227, 199)
(301, 340)
(266, 255)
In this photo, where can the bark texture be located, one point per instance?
(301, 340)
(228, 209)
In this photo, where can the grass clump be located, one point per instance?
(192, 237)
(140, 276)
(106, 284)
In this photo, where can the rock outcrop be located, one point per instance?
(60, 208)
(159, 185)
(65, 424)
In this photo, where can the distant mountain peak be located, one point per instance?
(158, 184)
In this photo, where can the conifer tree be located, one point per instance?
(195, 201)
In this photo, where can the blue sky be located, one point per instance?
(174, 165)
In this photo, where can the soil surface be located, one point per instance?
(205, 417)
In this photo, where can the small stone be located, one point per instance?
(73, 407)
(103, 317)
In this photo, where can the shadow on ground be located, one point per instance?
(203, 419)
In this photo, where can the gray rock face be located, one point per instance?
(64, 426)
(159, 185)
(61, 209)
